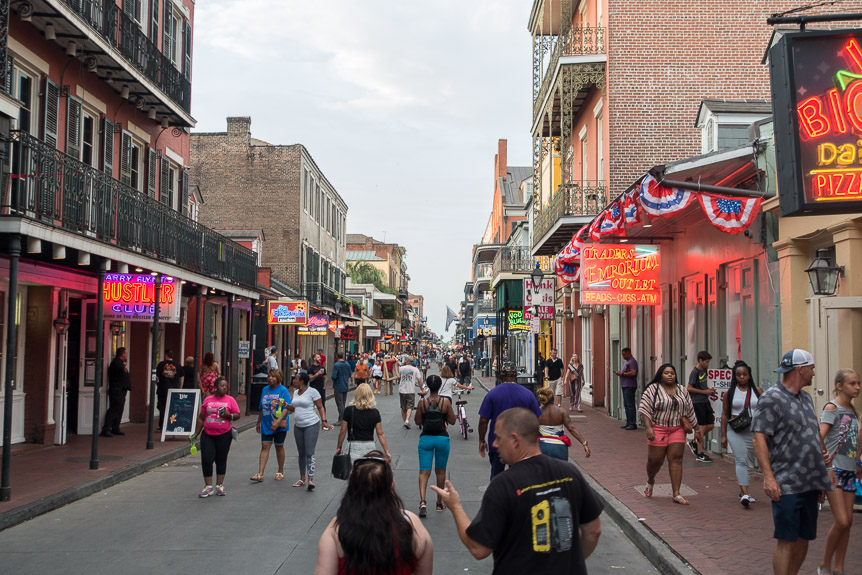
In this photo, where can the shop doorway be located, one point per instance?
(73, 365)
(836, 330)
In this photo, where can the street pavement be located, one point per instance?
(157, 521)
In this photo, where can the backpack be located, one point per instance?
(434, 422)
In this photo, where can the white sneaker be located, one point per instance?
(207, 491)
(745, 500)
(751, 499)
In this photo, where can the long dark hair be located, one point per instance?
(733, 383)
(657, 377)
(373, 531)
(209, 359)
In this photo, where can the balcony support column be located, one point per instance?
(100, 361)
(154, 356)
(9, 383)
(232, 375)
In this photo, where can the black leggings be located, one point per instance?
(214, 448)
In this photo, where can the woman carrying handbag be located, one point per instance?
(739, 404)
(361, 421)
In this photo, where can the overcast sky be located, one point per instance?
(401, 105)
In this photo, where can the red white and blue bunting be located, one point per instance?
(730, 215)
(661, 201)
(614, 222)
(630, 208)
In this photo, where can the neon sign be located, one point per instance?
(317, 325)
(131, 297)
(620, 274)
(287, 312)
(517, 320)
(818, 75)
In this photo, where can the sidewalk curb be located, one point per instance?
(660, 554)
(26, 512)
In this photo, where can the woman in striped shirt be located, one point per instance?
(668, 416)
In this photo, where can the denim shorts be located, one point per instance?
(433, 447)
(795, 516)
(557, 450)
(277, 438)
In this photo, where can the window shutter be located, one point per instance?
(129, 8)
(154, 24)
(73, 128)
(187, 65)
(152, 170)
(164, 182)
(184, 193)
(52, 113)
(167, 32)
(108, 147)
(126, 158)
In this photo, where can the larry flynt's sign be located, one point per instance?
(544, 299)
(620, 274)
(817, 90)
(287, 312)
(130, 297)
(718, 379)
(317, 324)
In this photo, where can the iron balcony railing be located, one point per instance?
(45, 184)
(484, 271)
(514, 260)
(319, 294)
(108, 20)
(485, 306)
(581, 198)
(575, 41)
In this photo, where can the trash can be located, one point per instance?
(258, 382)
(529, 382)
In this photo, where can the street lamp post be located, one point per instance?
(536, 278)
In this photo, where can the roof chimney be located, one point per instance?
(239, 126)
(501, 159)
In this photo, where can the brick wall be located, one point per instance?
(246, 186)
(663, 59)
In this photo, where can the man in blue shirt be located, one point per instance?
(341, 375)
(504, 396)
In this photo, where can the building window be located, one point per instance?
(88, 144)
(137, 166)
(732, 136)
(24, 92)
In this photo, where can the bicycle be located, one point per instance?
(463, 424)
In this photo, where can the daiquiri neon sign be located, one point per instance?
(132, 298)
(620, 274)
(818, 75)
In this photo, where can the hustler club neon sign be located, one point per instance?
(620, 274)
(132, 298)
(818, 76)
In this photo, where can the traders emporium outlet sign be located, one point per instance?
(620, 274)
(817, 109)
(130, 297)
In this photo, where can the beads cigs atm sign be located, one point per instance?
(620, 274)
(817, 110)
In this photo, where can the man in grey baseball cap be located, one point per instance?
(787, 445)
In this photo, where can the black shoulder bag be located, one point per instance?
(341, 466)
(743, 420)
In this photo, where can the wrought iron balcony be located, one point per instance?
(485, 306)
(484, 271)
(108, 20)
(319, 294)
(45, 184)
(518, 260)
(575, 41)
(582, 198)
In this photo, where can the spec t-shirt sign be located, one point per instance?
(182, 412)
(718, 379)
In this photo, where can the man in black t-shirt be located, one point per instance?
(169, 376)
(538, 516)
(554, 376)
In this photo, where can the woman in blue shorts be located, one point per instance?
(433, 413)
(272, 423)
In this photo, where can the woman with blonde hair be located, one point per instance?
(839, 435)
(360, 422)
(553, 440)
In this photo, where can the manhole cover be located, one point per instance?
(86, 458)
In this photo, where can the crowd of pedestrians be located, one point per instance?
(803, 457)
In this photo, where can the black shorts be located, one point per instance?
(795, 516)
(278, 437)
(704, 413)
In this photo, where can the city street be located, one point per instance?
(156, 521)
